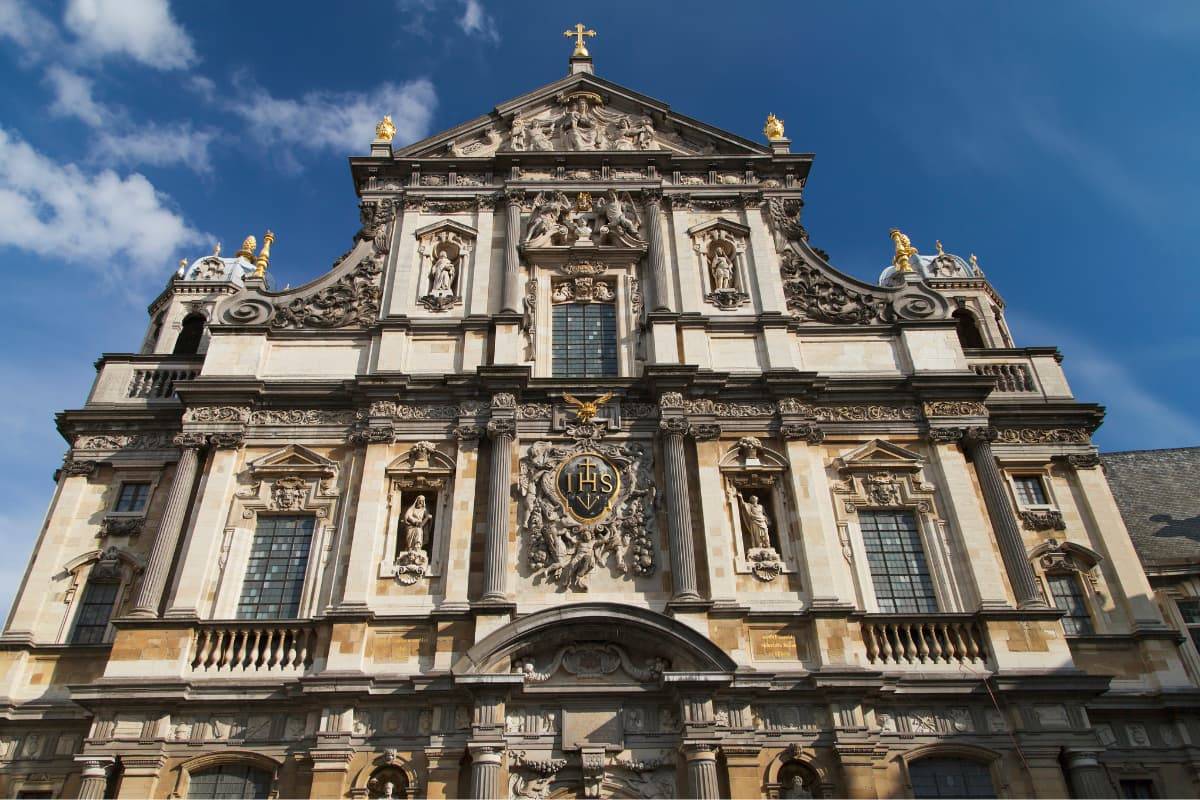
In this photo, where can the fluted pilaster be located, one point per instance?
(1087, 778)
(679, 512)
(94, 779)
(162, 554)
(512, 259)
(1004, 521)
(657, 251)
(502, 433)
(485, 772)
(702, 771)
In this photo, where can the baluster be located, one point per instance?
(243, 641)
(255, 652)
(280, 635)
(302, 659)
(884, 632)
(974, 642)
(935, 642)
(922, 644)
(290, 660)
(869, 641)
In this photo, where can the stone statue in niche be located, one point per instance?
(417, 520)
(441, 277)
(722, 272)
(415, 523)
(754, 516)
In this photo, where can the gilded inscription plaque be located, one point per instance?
(776, 645)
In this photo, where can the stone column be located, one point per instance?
(702, 771)
(495, 558)
(1004, 521)
(657, 250)
(1087, 778)
(162, 554)
(512, 259)
(485, 771)
(94, 779)
(679, 512)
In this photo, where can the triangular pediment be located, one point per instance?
(878, 454)
(581, 113)
(294, 459)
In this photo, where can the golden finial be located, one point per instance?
(773, 130)
(264, 257)
(904, 251)
(579, 32)
(247, 251)
(937, 243)
(386, 129)
(183, 263)
(216, 249)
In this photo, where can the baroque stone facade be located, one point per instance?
(761, 530)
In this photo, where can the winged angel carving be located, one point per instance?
(565, 550)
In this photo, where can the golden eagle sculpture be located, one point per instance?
(586, 410)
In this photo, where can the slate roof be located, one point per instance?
(1158, 492)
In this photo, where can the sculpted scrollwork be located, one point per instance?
(955, 408)
(584, 504)
(592, 660)
(1043, 436)
(814, 295)
(350, 301)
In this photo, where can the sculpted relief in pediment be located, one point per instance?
(558, 221)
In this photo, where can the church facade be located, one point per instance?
(584, 474)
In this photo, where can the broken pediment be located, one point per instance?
(581, 113)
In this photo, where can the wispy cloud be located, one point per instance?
(99, 219)
(1136, 417)
(340, 121)
(32, 33)
(476, 21)
(143, 30)
(471, 16)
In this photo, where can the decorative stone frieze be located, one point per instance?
(865, 413)
(1043, 436)
(954, 408)
(1042, 519)
(809, 432)
(211, 414)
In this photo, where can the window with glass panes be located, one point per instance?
(95, 610)
(1068, 597)
(1138, 789)
(950, 777)
(585, 340)
(132, 497)
(275, 574)
(1190, 611)
(1030, 490)
(896, 557)
(230, 781)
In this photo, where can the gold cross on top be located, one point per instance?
(579, 32)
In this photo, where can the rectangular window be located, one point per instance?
(132, 497)
(1190, 611)
(1138, 789)
(897, 560)
(1068, 597)
(275, 574)
(584, 340)
(1030, 490)
(95, 609)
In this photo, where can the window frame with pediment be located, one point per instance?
(880, 476)
(119, 566)
(626, 298)
(1054, 558)
(422, 469)
(749, 464)
(734, 239)
(290, 481)
(445, 234)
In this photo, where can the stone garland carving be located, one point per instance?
(372, 434)
(124, 441)
(122, 526)
(945, 435)
(534, 411)
(227, 441)
(190, 439)
(1043, 436)
(407, 411)
(532, 778)
(869, 413)
(468, 433)
(566, 547)
(1084, 461)
(217, 414)
(955, 408)
(591, 661)
(802, 430)
(529, 317)
(704, 432)
(302, 416)
(719, 409)
(814, 295)
(1042, 519)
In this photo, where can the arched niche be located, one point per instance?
(444, 249)
(193, 766)
(804, 762)
(758, 508)
(720, 247)
(373, 779)
(421, 476)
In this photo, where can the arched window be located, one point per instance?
(950, 777)
(188, 342)
(230, 781)
(967, 329)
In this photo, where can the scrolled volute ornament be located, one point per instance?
(945, 435)
(190, 440)
(229, 440)
(75, 468)
(468, 433)
(501, 427)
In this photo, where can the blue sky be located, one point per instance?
(1055, 140)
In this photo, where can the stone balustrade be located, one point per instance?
(1025, 371)
(157, 383)
(254, 648)
(1010, 377)
(137, 380)
(928, 640)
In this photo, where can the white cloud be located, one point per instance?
(475, 21)
(143, 30)
(339, 121)
(73, 98)
(157, 146)
(26, 27)
(98, 219)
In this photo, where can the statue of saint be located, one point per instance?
(754, 517)
(416, 524)
(441, 276)
(796, 789)
(644, 134)
(579, 128)
(538, 137)
(519, 135)
(722, 272)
